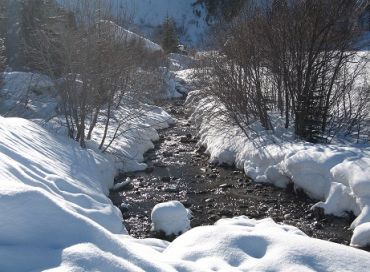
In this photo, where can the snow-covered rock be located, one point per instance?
(170, 217)
(361, 236)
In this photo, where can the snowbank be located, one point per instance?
(242, 244)
(336, 175)
(135, 136)
(170, 217)
(179, 83)
(55, 215)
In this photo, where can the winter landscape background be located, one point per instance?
(170, 135)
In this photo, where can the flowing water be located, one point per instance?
(178, 170)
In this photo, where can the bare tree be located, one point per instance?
(101, 65)
(289, 56)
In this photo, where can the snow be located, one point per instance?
(55, 216)
(336, 175)
(148, 15)
(242, 244)
(361, 237)
(136, 135)
(28, 95)
(178, 81)
(170, 217)
(129, 36)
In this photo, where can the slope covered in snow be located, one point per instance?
(128, 36)
(147, 15)
(55, 215)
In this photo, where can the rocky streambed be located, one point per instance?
(179, 171)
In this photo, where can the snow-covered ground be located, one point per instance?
(336, 175)
(55, 216)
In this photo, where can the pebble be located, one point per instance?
(225, 185)
(166, 179)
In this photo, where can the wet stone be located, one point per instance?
(225, 186)
(166, 179)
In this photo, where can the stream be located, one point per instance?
(178, 171)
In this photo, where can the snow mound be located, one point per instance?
(242, 244)
(129, 36)
(171, 218)
(28, 95)
(336, 175)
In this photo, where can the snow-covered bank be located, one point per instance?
(135, 136)
(336, 175)
(134, 125)
(55, 215)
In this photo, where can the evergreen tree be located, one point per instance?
(42, 20)
(170, 40)
(2, 59)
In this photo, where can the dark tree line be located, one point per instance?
(222, 9)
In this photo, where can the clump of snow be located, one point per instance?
(336, 175)
(28, 95)
(361, 236)
(170, 217)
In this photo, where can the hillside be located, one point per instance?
(148, 15)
